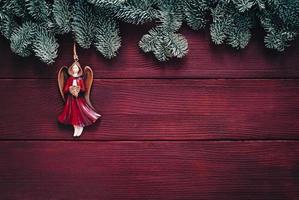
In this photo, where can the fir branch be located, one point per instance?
(149, 41)
(22, 38)
(278, 35)
(45, 45)
(136, 11)
(14, 7)
(195, 12)
(62, 12)
(95, 22)
(231, 26)
(7, 25)
(244, 5)
(164, 45)
(287, 11)
(107, 39)
(218, 31)
(106, 3)
(38, 9)
(279, 40)
(84, 23)
(261, 4)
(170, 16)
(177, 45)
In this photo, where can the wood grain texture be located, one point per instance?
(205, 60)
(157, 109)
(149, 170)
(218, 124)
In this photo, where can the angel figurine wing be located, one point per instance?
(88, 83)
(62, 76)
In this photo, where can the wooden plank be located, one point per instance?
(149, 170)
(157, 109)
(205, 60)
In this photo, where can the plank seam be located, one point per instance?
(167, 78)
(152, 140)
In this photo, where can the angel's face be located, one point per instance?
(75, 69)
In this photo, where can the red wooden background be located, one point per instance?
(217, 124)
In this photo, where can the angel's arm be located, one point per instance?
(66, 86)
(82, 85)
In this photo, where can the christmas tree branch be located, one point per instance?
(32, 26)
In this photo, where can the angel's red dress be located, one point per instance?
(76, 110)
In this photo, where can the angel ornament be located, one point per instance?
(75, 85)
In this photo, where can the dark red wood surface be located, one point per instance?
(218, 124)
(149, 170)
(158, 109)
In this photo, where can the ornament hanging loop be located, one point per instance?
(76, 58)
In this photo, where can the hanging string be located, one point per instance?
(76, 58)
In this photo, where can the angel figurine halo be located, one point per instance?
(74, 86)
